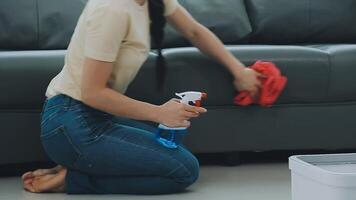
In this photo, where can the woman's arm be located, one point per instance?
(97, 94)
(209, 44)
(204, 39)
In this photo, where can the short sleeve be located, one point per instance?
(106, 28)
(170, 6)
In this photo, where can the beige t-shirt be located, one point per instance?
(108, 30)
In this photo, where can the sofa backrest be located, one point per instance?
(18, 24)
(49, 24)
(302, 21)
(226, 18)
(38, 24)
(57, 20)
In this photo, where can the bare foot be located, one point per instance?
(45, 180)
(41, 172)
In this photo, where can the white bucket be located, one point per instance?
(323, 177)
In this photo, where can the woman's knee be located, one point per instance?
(187, 173)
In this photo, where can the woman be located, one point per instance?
(91, 129)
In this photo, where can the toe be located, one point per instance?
(50, 182)
(27, 181)
(28, 186)
(39, 172)
(27, 175)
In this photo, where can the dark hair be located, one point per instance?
(158, 22)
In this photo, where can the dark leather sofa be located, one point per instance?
(312, 41)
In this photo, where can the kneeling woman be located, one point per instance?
(92, 130)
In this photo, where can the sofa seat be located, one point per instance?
(342, 82)
(316, 74)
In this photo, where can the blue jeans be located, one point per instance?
(106, 154)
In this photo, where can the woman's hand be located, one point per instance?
(176, 114)
(248, 81)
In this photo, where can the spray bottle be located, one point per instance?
(171, 137)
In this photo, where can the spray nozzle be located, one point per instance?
(192, 96)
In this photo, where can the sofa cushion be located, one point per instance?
(18, 24)
(57, 22)
(316, 74)
(302, 21)
(38, 24)
(307, 70)
(227, 19)
(342, 86)
(25, 75)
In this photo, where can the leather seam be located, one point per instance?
(309, 19)
(314, 104)
(38, 25)
(222, 107)
(329, 76)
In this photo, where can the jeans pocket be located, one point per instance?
(47, 116)
(97, 131)
(59, 146)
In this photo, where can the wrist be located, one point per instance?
(237, 70)
(235, 67)
(155, 114)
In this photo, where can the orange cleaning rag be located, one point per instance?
(272, 85)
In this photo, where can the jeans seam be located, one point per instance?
(86, 124)
(72, 107)
(69, 139)
(62, 130)
(53, 106)
(143, 147)
(176, 169)
(52, 133)
(50, 117)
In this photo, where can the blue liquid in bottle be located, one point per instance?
(170, 137)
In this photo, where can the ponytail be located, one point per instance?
(158, 22)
